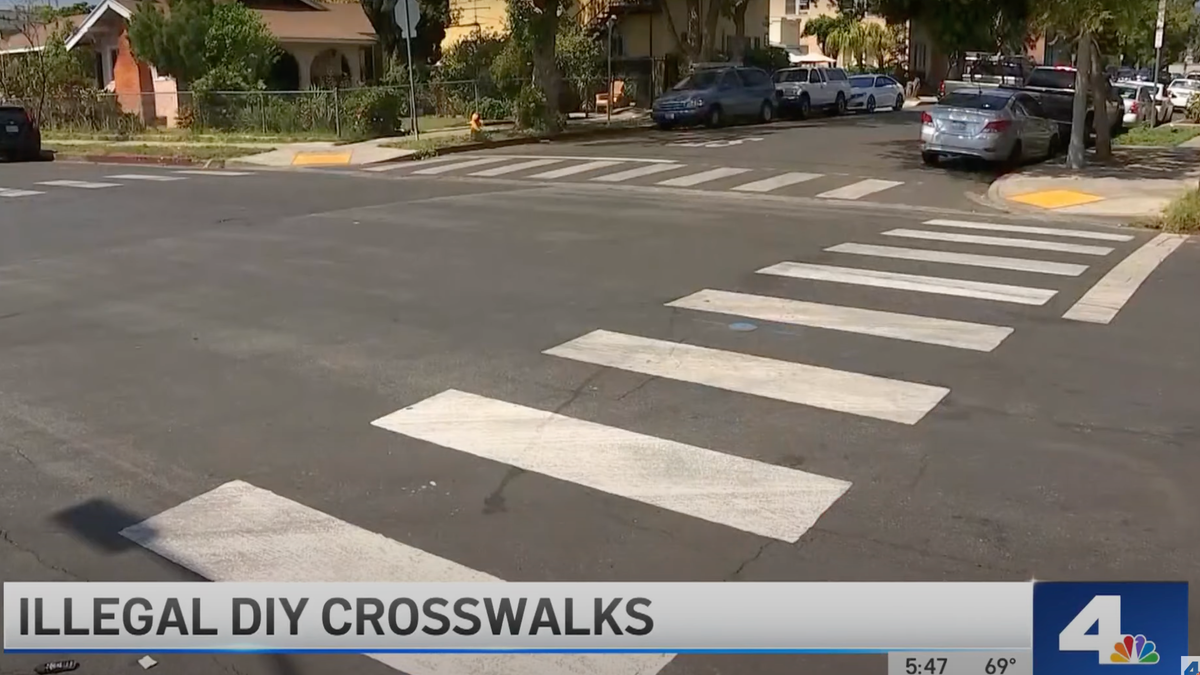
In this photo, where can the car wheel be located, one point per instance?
(766, 114)
(871, 104)
(840, 106)
(930, 158)
(715, 117)
(899, 102)
(665, 126)
(805, 107)
(1014, 157)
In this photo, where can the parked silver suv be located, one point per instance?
(799, 90)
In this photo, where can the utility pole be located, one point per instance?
(1158, 41)
(608, 108)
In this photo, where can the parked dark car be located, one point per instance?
(714, 96)
(1054, 88)
(19, 134)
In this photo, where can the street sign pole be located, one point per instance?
(1158, 39)
(407, 17)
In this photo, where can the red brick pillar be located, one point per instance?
(133, 82)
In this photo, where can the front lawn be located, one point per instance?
(176, 152)
(1165, 135)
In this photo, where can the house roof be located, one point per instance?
(295, 21)
(34, 37)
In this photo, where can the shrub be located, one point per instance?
(494, 109)
(1193, 109)
(377, 111)
(530, 108)
(1182, 215)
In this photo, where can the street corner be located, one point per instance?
(1055, 198)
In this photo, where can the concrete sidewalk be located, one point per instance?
(1138, 183)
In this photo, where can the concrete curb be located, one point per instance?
(151, 160)
(529, 140)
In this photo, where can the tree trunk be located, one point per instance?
(739, 31)
(545, 67)
(712, 15)
(695, 30)
(1100, 96)
(684, 46)
(1083, 63)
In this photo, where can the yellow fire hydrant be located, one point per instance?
(476, 123)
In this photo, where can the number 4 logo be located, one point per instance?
(1104, 612)
(1191, 665)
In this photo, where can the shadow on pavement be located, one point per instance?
(1151, 163)
(99, 523)
(907, 156)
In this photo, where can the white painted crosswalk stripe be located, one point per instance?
(912, 282)
(513, 168)
(13, 192)
(408, 164)
(155, 178)
(239, 532)
(446, 168)
(578, 168)
(943, 332)
(702, 177)
(1104, 300)
(637, 172)
(1029, 229)
(82, 184)
(776, 182)
(1033, 244)
(969, 259)
(215, 172)
(860, 189)
(855, 393)
(763, 499)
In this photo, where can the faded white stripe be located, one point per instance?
(572, 170)
(637, 172)
(513, 168)
(702, 177)
(763, 499)
(860, 189)
(82, 184)
(854, 393)
(944, 332)
(970, 259)
(206, 172)
(1028, 229)
(1102, 302)
(238, 532)
(12, 192)
(1001, 241)
(776, 182)
(447, 168)
(146, 177)
(408, 164)
(912, 282)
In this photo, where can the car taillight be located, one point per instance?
(997, 125)
(1134, 108)
(942, 89)
(926, 118)
(29, 118)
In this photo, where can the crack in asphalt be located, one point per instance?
(18, 452)
(6, 537)
(748, 561)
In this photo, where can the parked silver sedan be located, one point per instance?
(997, 125)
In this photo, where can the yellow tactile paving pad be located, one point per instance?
(319, 158)
(1056, 199)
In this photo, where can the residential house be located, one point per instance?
(928, 62)
(787, 21)
(320, 40)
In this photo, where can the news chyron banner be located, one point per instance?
(1056, 628)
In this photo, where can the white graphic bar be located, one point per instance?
(513, 168)
(776, 182)
(447, 168)
(854, 393)
(207, 172)
(702, 177)
(82, 184)
(1028, 229)
(860, 189)
(13, 192)
(944, 332)
(238, 532)
(913, 282)
(1033, 244)
(578, 168)
(637, 172)
(969, 259)
(1102, 302)
(763, 499)
(155, 178)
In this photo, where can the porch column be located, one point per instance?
(353, 56)
(304, 55)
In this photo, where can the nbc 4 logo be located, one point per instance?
(1191, 665)
(1111, 645)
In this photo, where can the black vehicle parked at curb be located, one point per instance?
(19, 135)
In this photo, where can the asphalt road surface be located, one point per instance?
(191, 360)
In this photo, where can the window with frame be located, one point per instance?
(814, 76)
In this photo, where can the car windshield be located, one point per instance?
(975, 101)
(791, 76)
(862, 82)
(1052, 78)
(1127, 92)
(704, 79)
(1186, 84)
(12, 115)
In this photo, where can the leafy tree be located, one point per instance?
(853, 9)
(203, 43)
(533, 26)
(959, 26)
(821, 27)
(698, 39)
(51, 80)
(436, 15)
(580, 57)
(51, 12)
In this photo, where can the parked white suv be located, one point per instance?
(799, 90)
